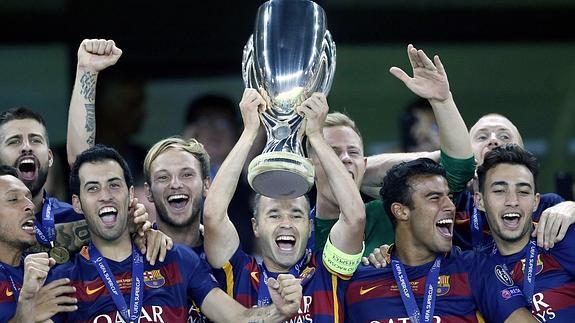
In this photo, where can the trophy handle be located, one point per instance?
(324, 76)
(328, 57)
(249, 73)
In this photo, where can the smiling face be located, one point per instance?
(17, 213)
(492, 131)
(283, 229)
(509, 200)
(348, 146)
(104, 199)
(177, 187)
(23, 144)
(432, 214)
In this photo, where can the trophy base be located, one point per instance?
(281, 175)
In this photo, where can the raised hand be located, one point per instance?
(429, 79)
(36, 268)
(251, 105)
(553, 224)
(96, 55)
(314, 109)
(286, 294)
(54, 298)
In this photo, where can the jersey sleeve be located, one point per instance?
(458, 171)
(233, 270)
(200, 280)
(564, 251)
(495, 293)
(7, 300)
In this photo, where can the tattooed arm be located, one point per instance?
(94, 55)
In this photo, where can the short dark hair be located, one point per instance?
(22, 113)
(507, 154)
(213, 103)
(9, 170)
(408, 119)
(396, 184)
(94, 154)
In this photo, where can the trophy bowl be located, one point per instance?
(289, 56)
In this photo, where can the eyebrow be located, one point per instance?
(434, 193)
(504, 183)
(113, 179)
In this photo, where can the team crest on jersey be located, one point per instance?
(503, 276)
(443, 285)
(307, 274)
(539, 267)
(154, 279)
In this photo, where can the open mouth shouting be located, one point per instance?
(286, 243)
(445, 227)
(108, 215)
(511, 220)
(28, 167)
(28, 226)
(178, 201)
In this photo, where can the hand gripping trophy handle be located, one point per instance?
(286, 62)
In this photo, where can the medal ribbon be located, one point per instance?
(476, 227)
(531, 254)
(131, 314)
(407, 293)
(46, 229)
(264, 297)
(14, 288)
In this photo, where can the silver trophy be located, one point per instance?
(289, 56)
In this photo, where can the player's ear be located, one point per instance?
(400, 211)
(255, 227)
(77, 204)
(479, 202)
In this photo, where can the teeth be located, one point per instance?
(27, 161)
(285, 238)
(445, 221)
(28, 224)
(511, 216)
(177, 197)
(108, 209)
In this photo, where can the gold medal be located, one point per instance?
(60, 254)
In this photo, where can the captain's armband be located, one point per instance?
(340, 262)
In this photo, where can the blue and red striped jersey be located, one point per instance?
(554, 292)
(8, 299)
(322, 290)
(471, 288)
(168, 287)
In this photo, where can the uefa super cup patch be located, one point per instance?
(507, 293)
(503, 276)
(154, 279)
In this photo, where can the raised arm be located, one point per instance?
(347, 234)
(220, 236)
(430, 82)
(378, 165)
(94, 55)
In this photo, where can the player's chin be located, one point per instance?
(444, 245)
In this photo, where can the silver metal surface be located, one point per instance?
(289, 56)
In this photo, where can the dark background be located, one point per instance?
(513, 57)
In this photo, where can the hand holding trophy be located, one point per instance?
(289, 56)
